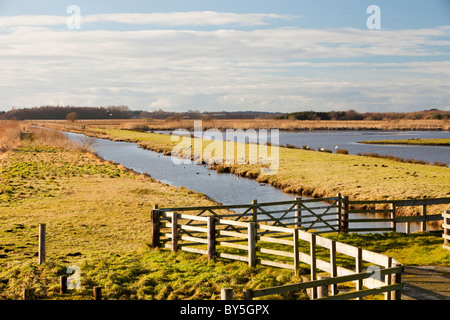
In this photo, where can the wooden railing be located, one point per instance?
(283, 247)
(333, 214)
(446, 227)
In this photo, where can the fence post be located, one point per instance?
(296, 252)
(226, 294)
(42, 240)
(322, 291)
(339, 210)
(255, 211)
(211, 225)
(397, 294)
(298, 212)
(333, 271)
(424, 214)
(97, 293)
(174, 231)
(248, 294)
(28, 294)
(393, 217)
(63, 284)
(312, 252)
(358, 267)
(446, 227)
(156, 232)
(344, 220)
(252, 244)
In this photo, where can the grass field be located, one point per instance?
(98, 218)
(294, 125)
(421, 142)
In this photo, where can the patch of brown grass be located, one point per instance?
(9, 135)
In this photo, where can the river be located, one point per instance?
(227, 189)
(350, 141)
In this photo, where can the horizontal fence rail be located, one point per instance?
(286, 234)
(324, 215)
(275, 246)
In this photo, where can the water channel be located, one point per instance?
(227, 189)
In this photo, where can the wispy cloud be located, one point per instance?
(270, 68)
(190, 18)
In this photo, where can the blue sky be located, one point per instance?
(226, 55)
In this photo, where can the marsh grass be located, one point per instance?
(322, 174)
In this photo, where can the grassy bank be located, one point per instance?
(98, 218)
(285, 124)
(319, 174)
(418, 141)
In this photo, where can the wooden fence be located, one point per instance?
(324, 215)
(446, 227)
(258, 243)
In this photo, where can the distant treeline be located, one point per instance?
(123, 112)
(353, 115)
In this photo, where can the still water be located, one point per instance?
(226, 189)
(350, 141)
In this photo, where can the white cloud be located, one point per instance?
(284, 69)
(190, 18)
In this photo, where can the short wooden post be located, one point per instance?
(408, 228)
(156, 232)
(358, 267)
(226, 294)
(97, 291)
(344, 221)
(333, 271)
(312, 252)
(393, 217)
(251, 244)
(424, 214)
(322, 291)
(255, 211)
(296, 251)
(397, 279)
(298, 212)
(248, 294)
(211, 225)
(28, 294)
(42, 251)
(174, 231)
(339, 210)
(63, 284)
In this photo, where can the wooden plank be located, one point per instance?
(274, 228)
(421, 202)
(346, 249)
(363, 293)
(232, 234)
(355, 230)
(194, 250)
(432, 217)
(375, 258)
(233, 245)
(193, 239)
(275, 264)
(233, 223)
(275, 240)
(190, 228)
(276, 252)
(231, 256)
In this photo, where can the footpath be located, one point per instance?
(426, 283)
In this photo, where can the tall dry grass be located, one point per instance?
(60, 140)
(10, 134)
